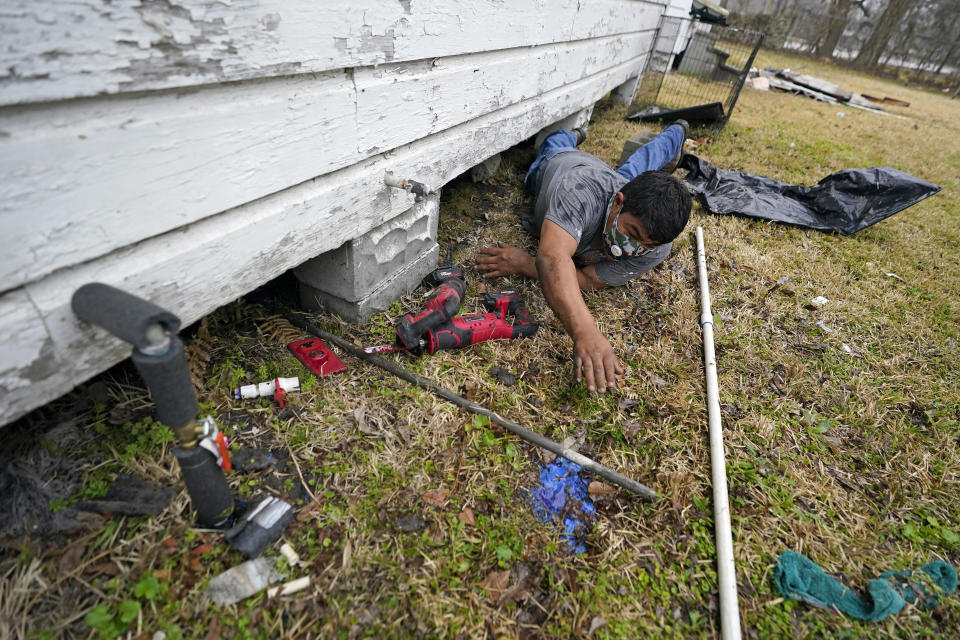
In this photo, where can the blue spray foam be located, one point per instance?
(562, 495)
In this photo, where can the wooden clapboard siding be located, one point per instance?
(81, 179)
(195, 268)
(54, 50)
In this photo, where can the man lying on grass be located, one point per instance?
(598, 228)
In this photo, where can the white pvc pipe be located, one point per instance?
(729, 609)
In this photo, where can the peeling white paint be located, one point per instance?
(130, 154)
(54, 50)
(163, 161)
(193, 270)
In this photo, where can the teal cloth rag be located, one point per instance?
(799, 577)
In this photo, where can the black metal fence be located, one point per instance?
(707, 71)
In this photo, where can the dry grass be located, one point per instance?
(850, 457)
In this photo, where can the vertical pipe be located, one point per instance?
(729, 610)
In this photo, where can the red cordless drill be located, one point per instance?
(443, 304)
(464, 331)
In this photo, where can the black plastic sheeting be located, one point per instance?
(846, 201)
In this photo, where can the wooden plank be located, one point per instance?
(197, 268)
(135, 167)
(400, 103)
(27, 353)
(54, 50)
(83, 179)
(818, 85)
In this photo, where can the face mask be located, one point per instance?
(620, 244)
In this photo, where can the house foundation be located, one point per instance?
(365, 275)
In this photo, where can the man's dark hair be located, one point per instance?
(660, 201)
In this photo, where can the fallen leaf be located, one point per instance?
(466, 517)
(367, 617)
(436, 497)
(410, 523)
(360, 415)
(105, 568)
(496, 583)
(470, 390)
(836, 442)
(533, 370)
(308, 511)
(214, 630)
(656, 380)
(404, 430)
(161, 574)
(596, 623)
(347, 554)
(71, 557)
(505, 377)
(204, 548)
(630, 430)
(598, 488)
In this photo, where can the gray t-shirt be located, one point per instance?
(575, 193)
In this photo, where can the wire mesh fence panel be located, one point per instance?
(709, 69)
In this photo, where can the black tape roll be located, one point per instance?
(206, 485)
(122, 314)
(168, 378)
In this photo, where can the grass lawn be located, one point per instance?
(843, 445)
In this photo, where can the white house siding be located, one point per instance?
(679, 32)
(190, 152)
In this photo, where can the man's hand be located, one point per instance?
(504, 260)
(593, 359)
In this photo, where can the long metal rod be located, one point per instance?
(729, 609)
(530, 436)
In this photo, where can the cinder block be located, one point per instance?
(635, 143)
(380, 299)
(367, 274)
(625, 93)
(486, 169)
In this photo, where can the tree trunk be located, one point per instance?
(898, 45)
(953, 45)
(838, 22)
(946, 58)
(887, 25)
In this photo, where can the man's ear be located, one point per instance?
(618, 199)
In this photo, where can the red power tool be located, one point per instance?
(443, 304)
(464, 331)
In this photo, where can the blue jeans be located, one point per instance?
(650, 157)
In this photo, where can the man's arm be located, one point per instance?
(505, 260)
(593, 356)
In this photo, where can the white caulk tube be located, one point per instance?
(268, 388)
(729, 609)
